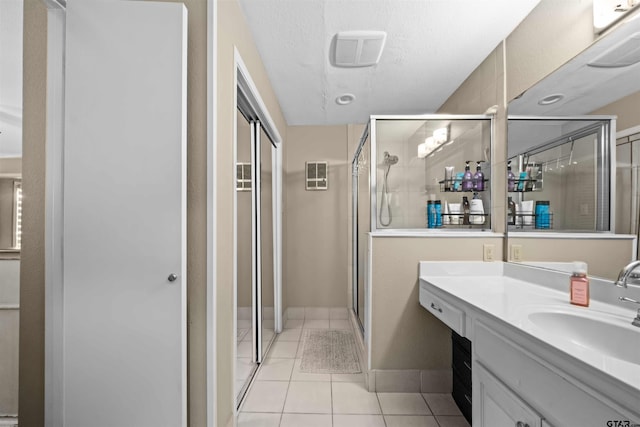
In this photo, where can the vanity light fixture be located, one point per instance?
(551, 99)
(434, 143)
(345, 99)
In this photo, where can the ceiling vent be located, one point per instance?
(358, 48)
(623, 54)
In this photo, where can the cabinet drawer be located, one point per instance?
(463, 397)
(448, 314)
(461, 341)
(462, 368)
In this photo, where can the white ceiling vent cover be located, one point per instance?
(623, 54)
(359, 48)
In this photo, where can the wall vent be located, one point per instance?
(243, 177)
(317, 176)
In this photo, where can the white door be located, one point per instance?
(125, 214)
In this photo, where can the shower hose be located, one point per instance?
(384, 199)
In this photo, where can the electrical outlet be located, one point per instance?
(516, 253)
(488, 252)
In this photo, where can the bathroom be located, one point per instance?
(407, 344)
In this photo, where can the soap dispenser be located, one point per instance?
(579, 285)
(511, 178)
(466, 209)
(476, 210)
(467, 179)
(511, 212)
(478, 179)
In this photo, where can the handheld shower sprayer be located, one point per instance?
(388, 161)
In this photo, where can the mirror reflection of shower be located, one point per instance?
(385, 205)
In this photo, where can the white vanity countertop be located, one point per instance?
(499, 291)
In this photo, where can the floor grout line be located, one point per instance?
(331, 382)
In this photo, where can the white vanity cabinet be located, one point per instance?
(497, 405)
(520, 380)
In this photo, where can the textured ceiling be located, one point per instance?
(432, 47)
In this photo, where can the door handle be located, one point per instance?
(172, 277)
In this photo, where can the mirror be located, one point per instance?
(266, 241)
(10, 213)
(558, 174)
(11, 68)
(599, 81)
(245, 333)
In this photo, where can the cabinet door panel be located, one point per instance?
(498, 406)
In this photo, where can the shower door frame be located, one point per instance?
(370, 133)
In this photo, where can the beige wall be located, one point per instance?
(12, 165)
(627, 109)
(31, 394)
(316, 222)
(31, 373)
(232, 31)
(605, 258)
(484, 89)
(553, 33)
(404, 335)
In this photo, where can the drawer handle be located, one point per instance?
(469, 400)
(435, 307)
(467, 365)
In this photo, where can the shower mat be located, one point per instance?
(329, 352)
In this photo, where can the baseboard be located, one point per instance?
(411, 381)
(315, 313)
(8, 421)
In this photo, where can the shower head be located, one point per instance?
(389, 160)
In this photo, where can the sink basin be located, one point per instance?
(613, 337)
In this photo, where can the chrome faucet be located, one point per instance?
(625, 273)
(636, 321)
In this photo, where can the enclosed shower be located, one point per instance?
(386, 215)
(398, 167)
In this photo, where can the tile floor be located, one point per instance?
(283, 396)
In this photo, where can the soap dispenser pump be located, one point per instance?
(511, 178)
(478, 179)
(467, 178)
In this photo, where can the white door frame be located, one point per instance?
(53, 369)
(212, 111)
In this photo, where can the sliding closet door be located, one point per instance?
(267, 151)
(245, 320)
(124, 268)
